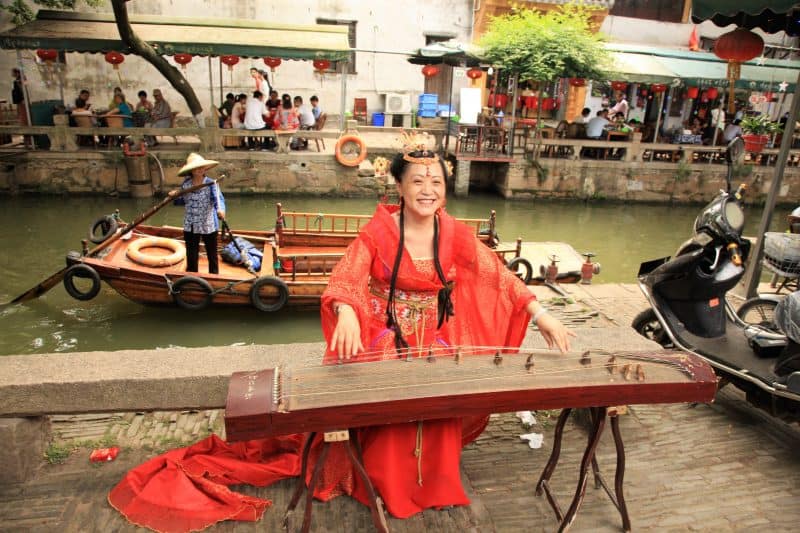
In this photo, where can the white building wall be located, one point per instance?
(383, 25)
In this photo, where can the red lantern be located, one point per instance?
(182, 60)
(736, 47)
(619, 85)
(712, 93)
(115, 58)
(577, 82)
(531, 102)
(47, 55)
(692, 92)
(430, 71)
(474, 73)
(272, 62)
(769, 96)
(643, 92)
(658, 87)
(230, 61)
(548, 104)
(321, 65)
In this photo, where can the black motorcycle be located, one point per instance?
(689, 310)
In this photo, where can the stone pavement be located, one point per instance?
(718, 467)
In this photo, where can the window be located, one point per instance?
(661, 10)
(351, 40)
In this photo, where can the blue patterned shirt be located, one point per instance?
(201, 207)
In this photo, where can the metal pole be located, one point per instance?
(211, 87)
(449, 110)
(221, 96)
(753, 274)
(23, 81)
(343, 73)
(515, 81)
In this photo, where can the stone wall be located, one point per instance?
(626, 181)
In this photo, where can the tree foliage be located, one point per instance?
(544, 46)
(21, 12)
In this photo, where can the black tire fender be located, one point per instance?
(107, 225)
(196, 283)
(526, 266)
(81, 271)
(280, 286)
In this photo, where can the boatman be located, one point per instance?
(204, 208)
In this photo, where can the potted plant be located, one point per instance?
(756, 131)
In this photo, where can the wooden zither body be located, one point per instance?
(455, 382)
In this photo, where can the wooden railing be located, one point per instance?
(481, 143)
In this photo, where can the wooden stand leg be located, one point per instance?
(588, 455)
(620, 474)
(301, 482)
(544, 480)
(375, 505)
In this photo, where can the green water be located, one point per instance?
(37, 232)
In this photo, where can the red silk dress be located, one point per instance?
(413, 466)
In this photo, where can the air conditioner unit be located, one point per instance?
(398, 103)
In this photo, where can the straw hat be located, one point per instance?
(196, 161)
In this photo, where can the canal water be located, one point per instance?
(37, 232)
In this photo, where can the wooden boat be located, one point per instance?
(298, 256)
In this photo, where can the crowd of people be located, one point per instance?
(257, 113)
(142, 113)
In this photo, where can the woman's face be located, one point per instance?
(254, 73)
(422, 189)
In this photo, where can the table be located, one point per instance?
(683, 138)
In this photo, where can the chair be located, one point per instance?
(360, 109)
(172, 121)
(114, 121)
(85, 121)
(318, 125)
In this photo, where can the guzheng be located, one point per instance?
(286, 399)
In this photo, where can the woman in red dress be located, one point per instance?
(417, 277)
(414, 277)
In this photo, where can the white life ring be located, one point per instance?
(135, 253)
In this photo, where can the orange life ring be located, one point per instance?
(135, 253)
(343, 158)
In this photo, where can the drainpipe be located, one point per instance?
(27, 98)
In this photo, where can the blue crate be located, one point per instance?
(443, 108)
(428, 107)
(428, 99)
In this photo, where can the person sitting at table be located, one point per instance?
(120, 108)
(595, 127)
(238, 111)
(732, 131)
(306, 116)
(90, 121)
(83, 96)
(142, 111)
(117, 90)
(254, 118)
(288, 114)
(273, 102)
(621, 106)
(226, 109)
(315, 108)
(585, 116)
(160, 116)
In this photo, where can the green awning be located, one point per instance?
(770, 15)
(86, 32)
(638, 68)
(707, 70)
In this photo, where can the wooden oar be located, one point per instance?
(55, 279)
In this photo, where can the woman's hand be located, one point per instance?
(173, 193)
(554, 332)
(221, 214)
(346, 340)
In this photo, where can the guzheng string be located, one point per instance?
(598, 359)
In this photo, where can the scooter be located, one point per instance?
(689, 310)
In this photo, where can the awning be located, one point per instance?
(702, 69)
(87, 32)
(638, 68)
(770, 15)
